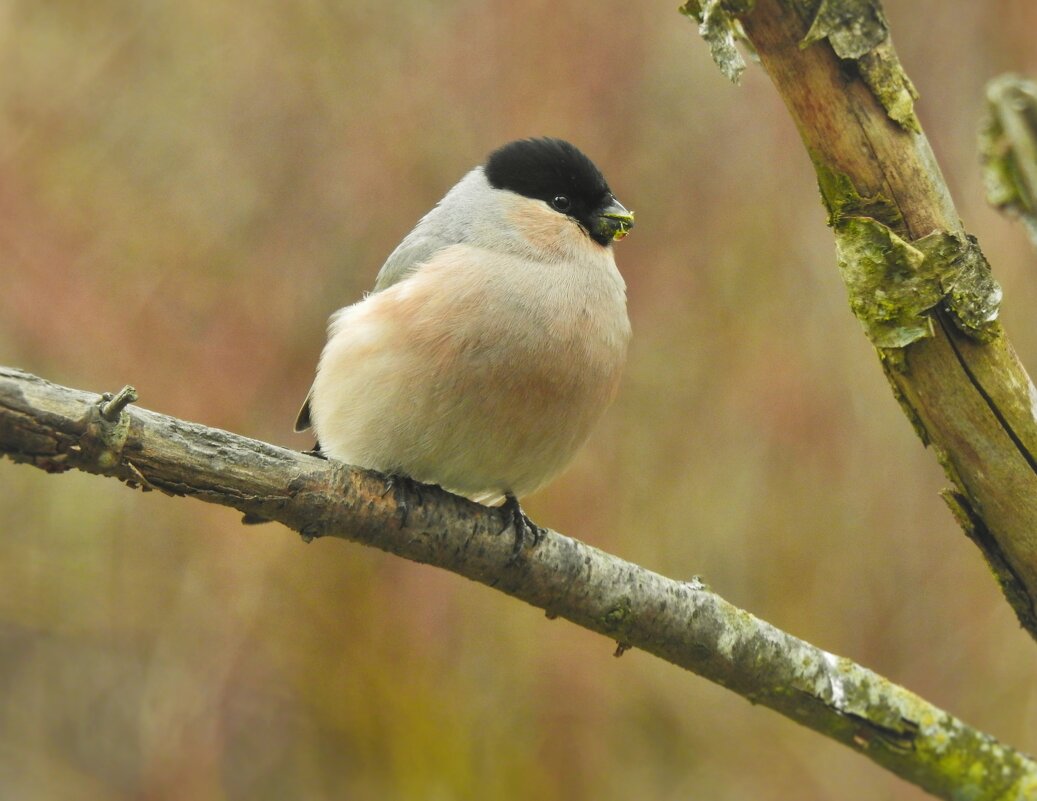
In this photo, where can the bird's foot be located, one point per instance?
(404, 491)
(524, 527)
(316, 451)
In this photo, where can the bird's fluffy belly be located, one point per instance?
(513, 393)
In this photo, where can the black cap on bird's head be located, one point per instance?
(556, 172)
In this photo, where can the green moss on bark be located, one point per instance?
(890, 284)
(857, 31)
(842, 200)
(894, 283)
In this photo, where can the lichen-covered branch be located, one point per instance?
(56, 428)
(917, 281)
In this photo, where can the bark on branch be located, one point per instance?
(56, 428)
(917, 281)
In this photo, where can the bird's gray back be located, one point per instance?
(459, 217)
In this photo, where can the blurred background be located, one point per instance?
(187, 190)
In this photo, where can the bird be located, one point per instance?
(493, 340)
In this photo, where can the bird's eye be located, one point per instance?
(562, 203)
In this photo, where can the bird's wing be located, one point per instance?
(416, 248)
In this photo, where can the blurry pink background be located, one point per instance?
(188, 190)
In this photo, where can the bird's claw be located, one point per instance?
(403, 489)
(525, 528)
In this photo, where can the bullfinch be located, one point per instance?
(494, 338)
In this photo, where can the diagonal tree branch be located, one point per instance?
(918, 283)
(56, 428)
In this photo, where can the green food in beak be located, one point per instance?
(615, 221)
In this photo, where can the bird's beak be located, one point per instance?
(615, 221)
